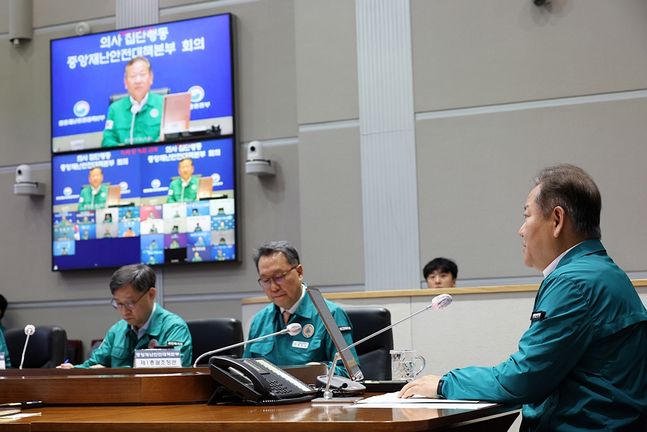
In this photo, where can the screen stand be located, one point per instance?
(327, 394)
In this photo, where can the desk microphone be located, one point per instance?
(441, 301)
(29, 330)
(292, 329)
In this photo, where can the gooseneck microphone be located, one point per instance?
(441, 301)
(29, 330)
(291, 329)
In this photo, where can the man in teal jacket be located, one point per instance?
(185, 187)
(145, 324)
(280, 276)
(94, 195)
(3, 343)
(4, 349)
(582, 364)
(135, 119)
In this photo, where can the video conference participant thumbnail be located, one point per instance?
(137, 118)
(184, 187)
(95, 194)
(144, 323)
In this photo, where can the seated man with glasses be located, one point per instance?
(281, 277)
(144, 323)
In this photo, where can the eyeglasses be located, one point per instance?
(266, 283)
(130, 305)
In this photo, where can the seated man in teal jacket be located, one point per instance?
(281, 277)
(4, 349)
(137, 118)
(145, 323)
(582, 364)
(3, 343)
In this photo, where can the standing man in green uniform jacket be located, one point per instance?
(144, 323)
(135, 119)
(185, 187)
(582, 364)
(94, 195)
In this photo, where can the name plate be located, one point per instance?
(157, 358)
(2, 362)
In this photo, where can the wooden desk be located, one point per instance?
(169, 400)
(281, 418)
(106, 386)
(120, 386)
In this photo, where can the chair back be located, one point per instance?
(211, 334)
(46, 347)
(374, 355)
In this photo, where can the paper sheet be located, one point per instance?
(14, 417)
(391, 400)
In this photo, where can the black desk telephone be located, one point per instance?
(255, 381)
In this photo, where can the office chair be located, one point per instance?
(46, 347)
(210, 334)
(374, 356)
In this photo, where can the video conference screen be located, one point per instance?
(158, 204)
(191, 85)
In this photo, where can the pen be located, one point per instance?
(27, 404)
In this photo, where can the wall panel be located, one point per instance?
(331, 206)
(326, 61)
(475, 172)
(468, 53)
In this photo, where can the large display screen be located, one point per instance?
(190, 82)
(158, 204)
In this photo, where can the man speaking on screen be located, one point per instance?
(184, 187)
(135, 119)
(94, 195)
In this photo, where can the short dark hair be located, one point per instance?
(441, 264)
(279, 246)
(573, 189)
(139, 276)
(3, 305)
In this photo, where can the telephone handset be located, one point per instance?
(255, 381)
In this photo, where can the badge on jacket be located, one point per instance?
(308, 330)
(537, 316)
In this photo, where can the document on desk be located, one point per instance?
(8, 411)
(13, 417)
(391, 400)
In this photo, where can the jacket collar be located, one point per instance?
(587, 247)
(304, 309)
(154, 324)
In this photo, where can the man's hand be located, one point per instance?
(65, 366)
(425, 386)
